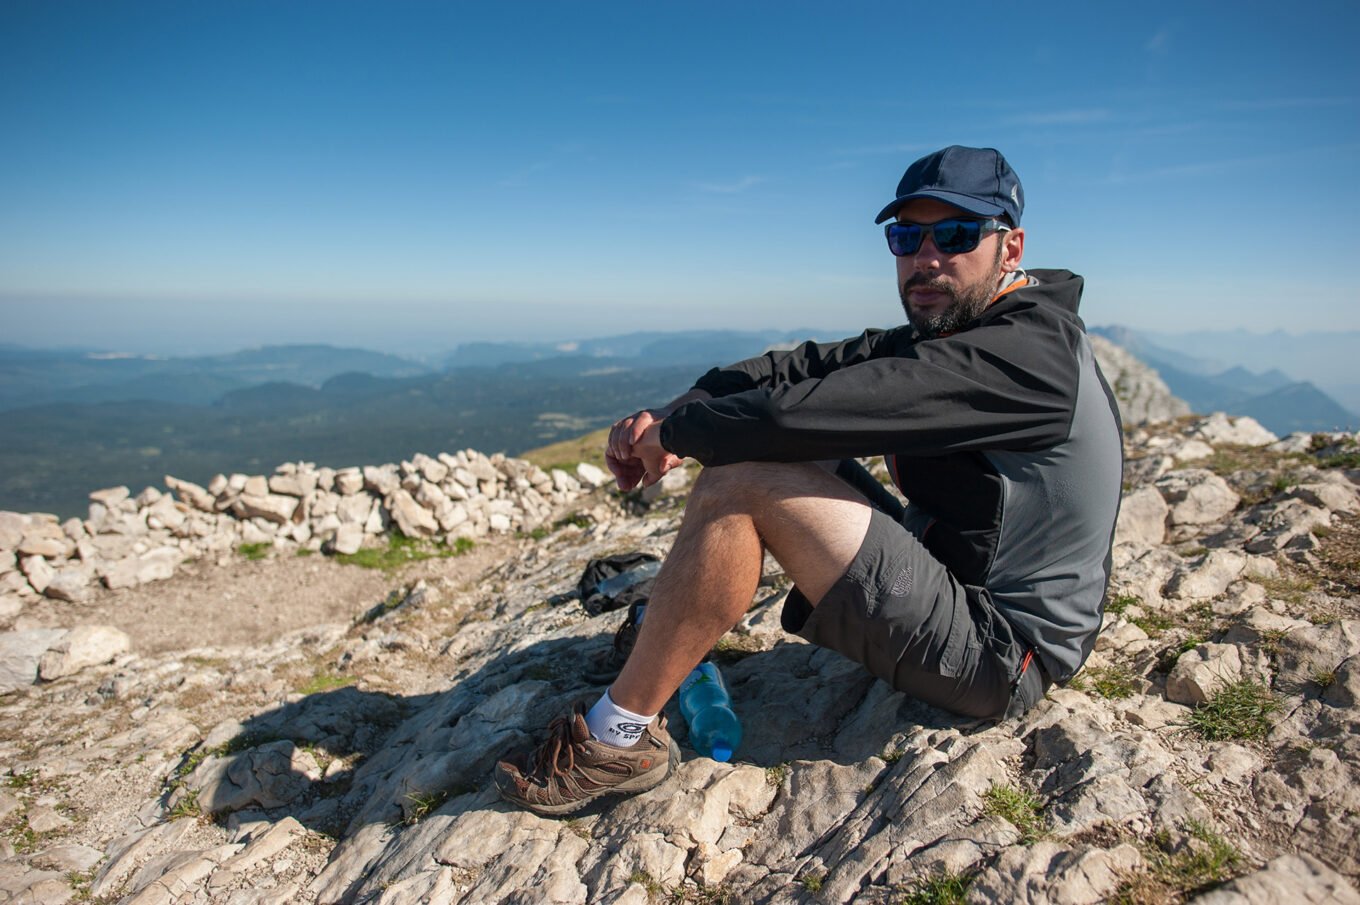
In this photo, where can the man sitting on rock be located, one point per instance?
(995, 423)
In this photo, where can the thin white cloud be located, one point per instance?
(1160, 42)
(730, 188)
(520, 177)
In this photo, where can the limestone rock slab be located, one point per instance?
(83, 646)
(1289, 878)
(1201, 672)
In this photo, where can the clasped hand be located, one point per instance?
(635, 454)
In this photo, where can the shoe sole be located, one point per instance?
(634, 786)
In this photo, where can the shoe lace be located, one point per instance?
(557, 755)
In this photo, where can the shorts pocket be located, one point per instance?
(1028, 691)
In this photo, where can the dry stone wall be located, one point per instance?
(129, 540)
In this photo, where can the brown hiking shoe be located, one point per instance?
(571, 768)
(606, 665)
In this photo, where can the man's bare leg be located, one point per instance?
(811, 522)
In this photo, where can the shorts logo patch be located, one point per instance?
(902, 585)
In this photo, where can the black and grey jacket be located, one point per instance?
(1004, 437)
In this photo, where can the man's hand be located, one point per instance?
(656, 459)
(634, 452)
(618, 455)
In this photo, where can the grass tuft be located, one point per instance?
(1324, 678)
(1240, 710)
(402, 550)
(1154, 624)
(1204, 861)
(1121, 602)
(187, 806)
(423, 804)
(945, 888)
(1112, 682)
(1021, 809)
(256, 551)
(323, 682)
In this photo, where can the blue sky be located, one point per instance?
(203, 176)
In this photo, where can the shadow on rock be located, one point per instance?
(382, 772)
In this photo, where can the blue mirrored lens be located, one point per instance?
(904, 238)
(954, 236)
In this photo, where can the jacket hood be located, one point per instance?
(1059, 288)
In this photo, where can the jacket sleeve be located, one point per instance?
(1008, 383)
(809, 360)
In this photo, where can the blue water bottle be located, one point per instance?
(714, 730)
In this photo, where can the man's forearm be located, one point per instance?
(694, 395)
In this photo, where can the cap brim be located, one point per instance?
(965, 203)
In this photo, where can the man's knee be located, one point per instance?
(749, 486)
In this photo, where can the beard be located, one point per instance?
(965, 306)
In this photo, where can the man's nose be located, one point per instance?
(927, 256)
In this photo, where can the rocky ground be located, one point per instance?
(295, 729)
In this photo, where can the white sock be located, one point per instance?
(613, 725)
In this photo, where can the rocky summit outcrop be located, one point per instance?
(1144, 398)
(1209, 751)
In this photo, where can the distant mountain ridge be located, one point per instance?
(682, 347)
(45, 376)
(1281, 403)
(79, 418)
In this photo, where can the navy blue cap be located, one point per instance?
(977, 180)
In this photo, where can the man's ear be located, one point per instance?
(1012, 250)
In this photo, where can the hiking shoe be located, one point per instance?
(571, 768)
(606, 665)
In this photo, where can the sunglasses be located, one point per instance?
(952, 237)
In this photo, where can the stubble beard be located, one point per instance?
(967, 303)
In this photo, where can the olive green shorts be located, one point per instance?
(899, 612)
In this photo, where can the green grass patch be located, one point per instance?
(402, 551)
(944, 888)
(812, 882)
(187, 806)
(1121, 602)
(1154, 624)
(323, 682)
(1290, 590)
(1112, 682)
(304, 551)
(255, 552)
(1240, 710)
(567, 454)
(1023, 810)
(776, 775)
(1342, 460)
(699, 894)
(646, 881)
(1177, 872)
(423, 804)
